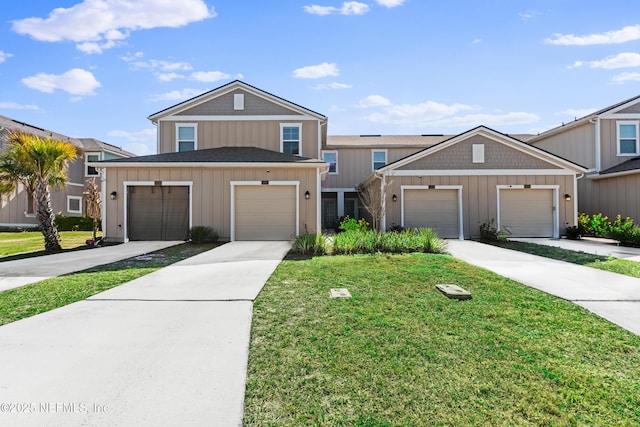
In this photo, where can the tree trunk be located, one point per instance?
(46, 218)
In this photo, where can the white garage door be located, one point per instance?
(527, 212)
(433, 208)
(265, 212)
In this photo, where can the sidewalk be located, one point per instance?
(612, 296)
(590, 245)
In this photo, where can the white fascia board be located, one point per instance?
(479, 172)
(207, 165)
(292, 117)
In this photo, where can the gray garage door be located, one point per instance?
(158, 213)
(527, 212)
(437, 209)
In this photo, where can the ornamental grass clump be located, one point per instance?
(310, 244)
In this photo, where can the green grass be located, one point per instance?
(19, 303)
(399, 353)
(32, 241)
(615, 265)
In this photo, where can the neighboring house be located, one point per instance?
(17, 209)
(607, 142)
(257, 167)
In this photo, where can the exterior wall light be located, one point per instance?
(113, 195)
(394, 198)
(567, 197)
(307, 195)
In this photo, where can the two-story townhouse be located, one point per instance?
(607, 142)
(257, 167)
(17, 208)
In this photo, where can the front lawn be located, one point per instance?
(399, 353)
(615, 265)
(19, 303)
(15, 243)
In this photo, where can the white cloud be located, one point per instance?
(316, 71)
(416, 114)
(529, 14)
(167, 77)
(348, 8)
(626, 77)
(491, 120)
(476, 41)
(177, 95)
(374, 101)
(141, 142)
(16, 106)
(209, 76)
(75, 81)
(4, 56)
(100, 24)
(390, 3)
(621, 60)
(578, 112)
(623, 35)
(334, 85)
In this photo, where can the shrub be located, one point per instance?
(574, 232)
(595, 225)
(203, 234)
(74, 223)
(488, 231)
(396, 229)
(351, 224)
(310, 244)
(359, 242)
(625, 231)
(355, 242)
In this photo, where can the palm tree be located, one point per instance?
(39, 164)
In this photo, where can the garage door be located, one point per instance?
(527, 212)
(158, 213)
(265, 212)
(437, 209)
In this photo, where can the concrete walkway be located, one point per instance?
(170, 348)
(610, 295)
(14, 274)
(590, 245)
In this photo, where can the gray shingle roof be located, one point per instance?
(220, 155)
(629, 165)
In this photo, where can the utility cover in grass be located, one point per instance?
(454, 292)
(340, 293)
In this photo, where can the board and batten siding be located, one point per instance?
(479, 196)
(611, 197)
(609, 144)
(211, 193)
(14, 205)
(237, 133)
(354, 164)
(576, 145)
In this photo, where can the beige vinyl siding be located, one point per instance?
(259, 133)
(253, 106)
(265, 212)
(611, 197)
(479, 197)
(576, 144)
(609, 143)
(14, 205)
(211, 193)
(354, 165)
(496, 156)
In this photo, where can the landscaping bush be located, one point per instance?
(310, 244)
(74, 223)
(351, 224)
(202, 234)
(595, 225)
(625, 231)
(574, 232)
(488, 231)
(361, 242)
(355, 242)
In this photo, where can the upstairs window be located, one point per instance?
(331, 158)
(90, 170)
(290, 138)
(378, 158)
(186, 137)
(627, 138)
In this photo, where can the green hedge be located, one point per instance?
(75, 223)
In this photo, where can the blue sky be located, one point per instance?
(98, 68)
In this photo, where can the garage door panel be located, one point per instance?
(265, 212)
(437, 209)
(158, 212)
(527, 212)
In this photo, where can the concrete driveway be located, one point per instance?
(24, 271)
(612, 296)
(168, 349)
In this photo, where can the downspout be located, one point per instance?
(597, 142)
(319, 199)
(103, 201)
(575, 197)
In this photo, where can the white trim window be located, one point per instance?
(291, 138)
(74, 204)
(186, 137)
(331, 158)
(90, 171)
(378, 159)
(627, 138)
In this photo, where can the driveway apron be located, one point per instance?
(169, 348)
(613, 296)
